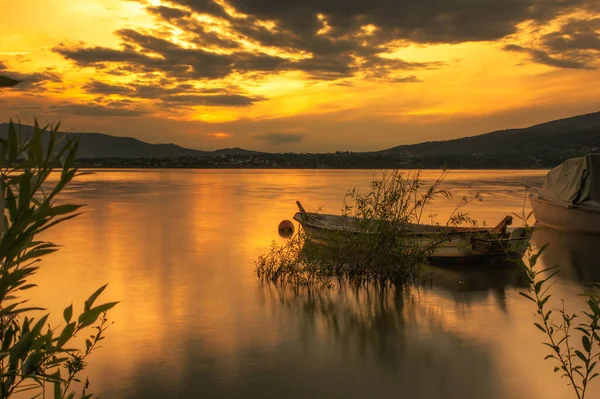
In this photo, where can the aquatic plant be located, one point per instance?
(564, 330)
(385, 251)
(33, 354)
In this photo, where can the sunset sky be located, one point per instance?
(299, 75)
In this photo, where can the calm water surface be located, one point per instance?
(178, 249)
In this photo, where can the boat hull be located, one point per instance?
(564, 218)
(455, 245)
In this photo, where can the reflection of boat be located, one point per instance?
(576, 254)
(448, 243)
(570, 196)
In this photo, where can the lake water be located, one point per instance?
(178, 248)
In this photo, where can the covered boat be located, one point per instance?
(569, 199)
(452, 244)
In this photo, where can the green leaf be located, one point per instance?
(538, 286)
(27, 286)
(36, 148)
(57, 391)
(90, 301)
(68, 313)
(50, 211)
(90, 316)
(36, 254)
(66, 334)
(104, 307)
(593, 304)
(24, 192)
(538, 325)
(32, 363)
(581, 356)
(13, 143)
(543, 301)
(555, 348)
(20, 349)
(587, 345)
(527, 296)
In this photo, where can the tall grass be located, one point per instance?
(376, 244)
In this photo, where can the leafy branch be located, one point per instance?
(576, 364)
(32, 353)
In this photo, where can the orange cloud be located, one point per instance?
(218, 135)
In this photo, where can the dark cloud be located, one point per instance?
(326, 40)
(2, 66)
(93, 109)
(542, 57)
(218, 100)
(179, 95)
(343, 84)
(576, 34)
(144, 53)
(406, 79)
(575, 44)
(281, 138)
(97, 87)
(345, 51)
(35, 81)
(99, 56)
(332, 31)
(209, 7)
(168, 13)
(199, 34)
(448, 21)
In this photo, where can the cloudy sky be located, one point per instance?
(299, 75)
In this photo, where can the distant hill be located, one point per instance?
(559, 139)
(540, 146)
(98, 145)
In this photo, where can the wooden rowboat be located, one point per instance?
(452, 244)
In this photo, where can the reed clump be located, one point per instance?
(377, 246)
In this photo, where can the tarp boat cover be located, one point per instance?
(574, 184)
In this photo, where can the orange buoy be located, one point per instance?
(286, 228)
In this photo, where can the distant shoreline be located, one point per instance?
(326, 161)
(292, 168)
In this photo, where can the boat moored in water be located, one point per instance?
(569, 199)
(453, 244)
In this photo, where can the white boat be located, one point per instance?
(452, 244)
(570, 196)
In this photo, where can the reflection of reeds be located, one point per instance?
(385, 249)
(380, 321)
(370, 319)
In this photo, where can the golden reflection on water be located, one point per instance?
(178, 249)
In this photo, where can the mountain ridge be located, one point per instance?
(101, 145)
(557, 139)
(572, 130)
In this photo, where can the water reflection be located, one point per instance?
(178, 248)
(575, 253)
(472, 283)
(392, 329)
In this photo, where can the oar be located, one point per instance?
(308, 215)
(300, 207)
